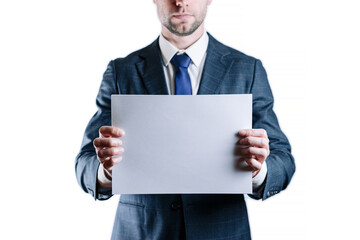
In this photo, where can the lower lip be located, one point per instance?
(182, 16)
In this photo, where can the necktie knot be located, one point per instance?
(181, 60)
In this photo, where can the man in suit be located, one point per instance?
(211, 68)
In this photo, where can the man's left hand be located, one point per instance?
(254, 148)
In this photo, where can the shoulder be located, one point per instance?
(216, 46)
(138, 55)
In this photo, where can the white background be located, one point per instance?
(53, 55)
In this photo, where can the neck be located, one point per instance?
(182, 42)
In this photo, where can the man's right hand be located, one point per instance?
(108, 147)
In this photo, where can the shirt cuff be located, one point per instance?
(102, 179)
(258, 180)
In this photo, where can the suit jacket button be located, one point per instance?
(175, 205)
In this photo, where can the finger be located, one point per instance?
(254, 173)
(259, 153)
(253, 163)
(242, 164)
(102, 160)
(253, 133)
(111, 131)
(260, 142)
(111, 162)
(107, 142)
(110, 152)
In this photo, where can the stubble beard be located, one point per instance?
(180, 29)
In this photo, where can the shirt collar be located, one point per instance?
(196, 51)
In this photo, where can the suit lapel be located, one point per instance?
(216, 67)
(151, 70)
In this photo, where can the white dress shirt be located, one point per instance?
(197, 54)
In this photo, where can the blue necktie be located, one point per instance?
(182, 78)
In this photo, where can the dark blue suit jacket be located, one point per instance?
(202, 216)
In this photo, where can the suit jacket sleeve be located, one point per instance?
(86, 163)
(280, 162)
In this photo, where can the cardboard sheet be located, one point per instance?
(181, 143)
